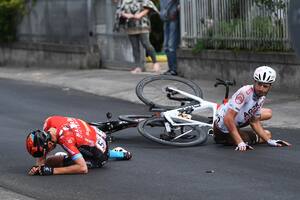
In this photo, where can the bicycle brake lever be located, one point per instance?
(219, 82)
(232, 83)
(168, 89)
(108, 115)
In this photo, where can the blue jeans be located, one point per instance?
(171, 41)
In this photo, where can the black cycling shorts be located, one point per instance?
(93, 156)
(225, 138)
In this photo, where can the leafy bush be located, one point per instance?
(11, 12)
(265, 35)
(271, 4)
(264, 29)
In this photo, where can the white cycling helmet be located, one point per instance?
(264, 74)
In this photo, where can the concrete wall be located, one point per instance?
(48, 55)
(56, 21)
(211, 64)
(75, 22)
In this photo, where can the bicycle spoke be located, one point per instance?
(152, 91)
(154, 129)
(179, 136)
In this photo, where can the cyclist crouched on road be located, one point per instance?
(244, 108)
(85, 145)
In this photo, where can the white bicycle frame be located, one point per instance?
(175, 118)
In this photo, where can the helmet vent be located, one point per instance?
(264, 76)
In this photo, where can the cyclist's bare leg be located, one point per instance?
(266, 114)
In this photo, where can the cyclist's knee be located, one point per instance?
(266, 114)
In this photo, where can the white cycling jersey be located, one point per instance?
(245, 103)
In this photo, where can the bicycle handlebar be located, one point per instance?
(171, 93)
(226, 84)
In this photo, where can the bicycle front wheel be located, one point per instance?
(152, 91)
(154, 129)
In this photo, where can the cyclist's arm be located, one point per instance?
(79, 167)
(229, 123)
(259, 130)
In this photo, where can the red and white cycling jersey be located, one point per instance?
(73, 133)
(245, 103)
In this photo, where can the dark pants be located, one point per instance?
(143, 39)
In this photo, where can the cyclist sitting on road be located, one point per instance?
(85, 145)
(244, 108)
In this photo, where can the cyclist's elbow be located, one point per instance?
(83, 170)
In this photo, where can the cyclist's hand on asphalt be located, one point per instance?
(242, 146)
(41, 170)
(34, 170)
(278, 143)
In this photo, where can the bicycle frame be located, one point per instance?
(174, 116)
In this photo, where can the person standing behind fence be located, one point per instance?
(169, 14)
(133, 17)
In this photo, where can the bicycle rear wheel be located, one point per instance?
(151, 91)
(134, 118)
(154, 129)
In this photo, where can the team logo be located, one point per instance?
(249, 91)
(239, 99)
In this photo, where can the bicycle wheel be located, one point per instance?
(183, 136)
(134, 118)
(151, 91)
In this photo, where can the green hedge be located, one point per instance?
(11, 12)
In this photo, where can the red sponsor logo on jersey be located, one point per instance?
(239, 99)
(249, 91)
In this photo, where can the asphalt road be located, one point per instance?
(155, 172)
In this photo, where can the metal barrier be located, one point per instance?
(235, 24)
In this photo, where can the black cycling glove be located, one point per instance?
(46, 170)
(43, 170)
